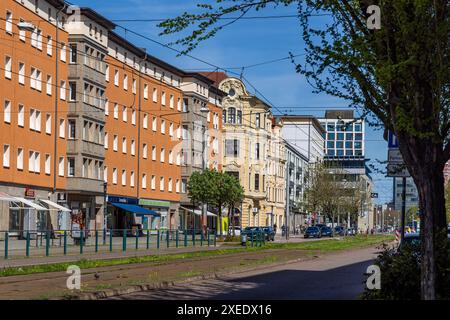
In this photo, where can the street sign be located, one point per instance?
(392, 140)
(397, 170)
(374, 195)
(395, 156)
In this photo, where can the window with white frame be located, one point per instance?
(70, 167)
(133, 117)
(116, 111)
(61, 167)
(124, 177)
(19, 161)
(63, 52)
(134, 86)
(49, 85)
(21, 116)
(163, 126)
(106, 107)
(124, 114)
(179, 104)
(21, 73)
(170, 157)
(163, 155)
(37, 162)
(114, 176)
(161, 183)
(153, 153)
(38, 80)
(171, 101)
(39, 39)
(116, 78)
(47, 164)
(154, 124)
(7, 112)
(144, 151)
(163, 98)
(6, 155)
(171, 129)
(144, 181)
(63, 90)
(153, 182)
(107, 73)
(178, 159)
(49, 46)
(169, 185)
(48, 123)
(105, 173)
(62, 128)
(8, 67)
(124, 145)
(132, 179)
(106, 140)
(125, 82)
(177, 186)
(22, 35)
(133, 147)
(155, 95)
(145, 91)
(115, 142)
(145, 121)
(9, 22)
(37, 121)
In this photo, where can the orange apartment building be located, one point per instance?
(33, 138)
(125, 125)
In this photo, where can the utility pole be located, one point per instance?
(402, 230)
(288, 180)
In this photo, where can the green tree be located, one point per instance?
(398, 76)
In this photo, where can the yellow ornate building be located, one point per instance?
(252, 152)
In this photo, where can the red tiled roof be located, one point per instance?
(217, 77)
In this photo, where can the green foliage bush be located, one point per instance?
(400, 275)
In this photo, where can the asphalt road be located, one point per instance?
(334, 276)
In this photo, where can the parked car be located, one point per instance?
(340, 231)
(270, 233)
(320, 225)
(313, 232)
(237, 230)
(255, 231)
(326, 231)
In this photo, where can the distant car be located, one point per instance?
(237, 230)
(340, 231)
(313, 232)
(252, 231)
(326, 231)
(270, 233)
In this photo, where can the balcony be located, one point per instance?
(81, 108)
(85, 185)
(92, 149)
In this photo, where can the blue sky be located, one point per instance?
(245, 43)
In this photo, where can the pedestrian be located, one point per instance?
(283, 230)
(275, 228)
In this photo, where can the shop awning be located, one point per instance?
(6, 197)
(55, 206)
(30, 204)
(140, 211)
(199, 212)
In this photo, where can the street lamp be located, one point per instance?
(204, 109)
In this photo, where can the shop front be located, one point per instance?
(126, 214)
(167, 217)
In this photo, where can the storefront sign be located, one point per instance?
(154, 203)
(29, 193)
(113, 199)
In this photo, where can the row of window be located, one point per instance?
(146, 90)
(35, 119)
(35, 77)
(348, 144)
(341, 152)
(34, 161)
(344, 136)
(331, 127)
(180, 184)
(36, 38)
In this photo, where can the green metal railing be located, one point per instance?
(38, 243)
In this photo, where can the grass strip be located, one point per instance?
(321, 245)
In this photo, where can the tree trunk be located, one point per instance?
(425, 162)
(431, 192)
